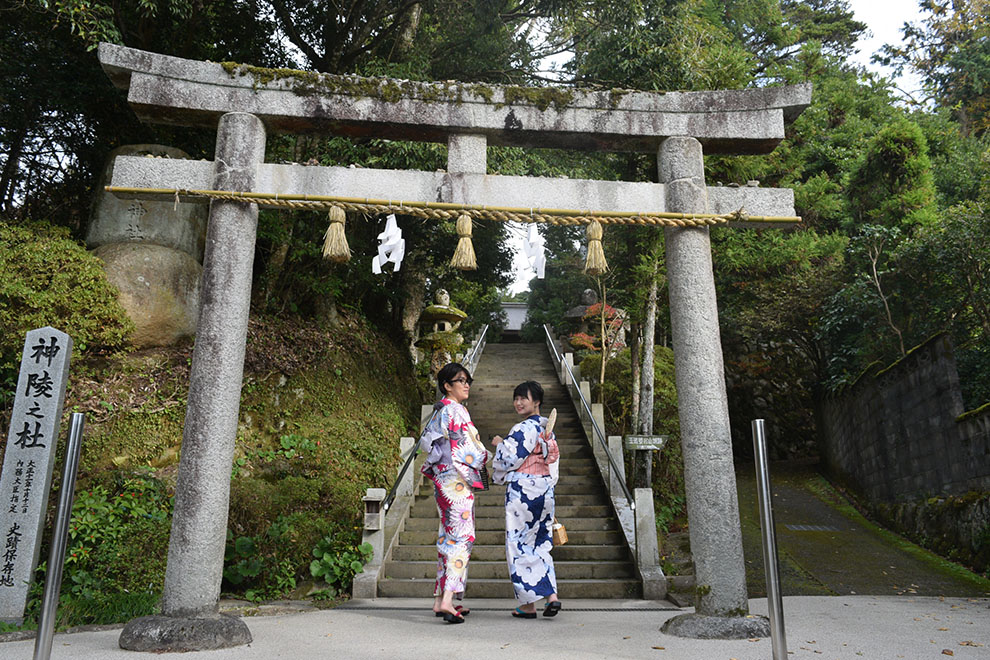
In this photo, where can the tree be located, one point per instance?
(950, 49)
(892, 183)
(61, 115)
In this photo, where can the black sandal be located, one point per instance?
(519, 614)
(452, 618)
(460, 610)
(552, 608)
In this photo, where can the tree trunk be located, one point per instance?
(413, 302)
(605, 347)
(407, 34)
(634, 365)
(10, 167)
(275, 263)
(646, 378)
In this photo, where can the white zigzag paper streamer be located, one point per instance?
(392, 247)
(534, 251)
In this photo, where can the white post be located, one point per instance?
(615, 449)
(406, 445)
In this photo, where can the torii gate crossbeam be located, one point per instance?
(244, 103)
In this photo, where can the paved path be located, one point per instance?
(827, 548)
(827, 628)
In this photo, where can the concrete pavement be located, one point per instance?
(827, 627)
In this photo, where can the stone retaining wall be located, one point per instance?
(954, 527)
(896, 434)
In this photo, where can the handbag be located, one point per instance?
(485, 479)
(559, 533)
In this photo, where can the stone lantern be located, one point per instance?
(442, 340)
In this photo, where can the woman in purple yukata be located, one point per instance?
(526, 461)
(454, 456)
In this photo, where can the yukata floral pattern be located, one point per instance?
(454, 457)
(529, 510)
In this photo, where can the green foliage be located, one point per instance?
(240, 559)
(551, 297)
(337, 563)
(114, 565)
(892, 183)
(948, 49)
(313, 442)
(50, 279)
(654, 45)
(101, 516)
(773, 289)
(668, 465)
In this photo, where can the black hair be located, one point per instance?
(448, 373)
(529, 388)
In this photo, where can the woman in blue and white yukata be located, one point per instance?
(526, 461)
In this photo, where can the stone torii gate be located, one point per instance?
(244, 104)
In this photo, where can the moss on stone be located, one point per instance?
(441, 341)
(615, 97)
(541, 97)
(393, 91)
(985, 408)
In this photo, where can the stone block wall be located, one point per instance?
(895, 436)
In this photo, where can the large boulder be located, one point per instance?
(114, 220)
(159, 288)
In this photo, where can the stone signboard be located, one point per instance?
(27, 465)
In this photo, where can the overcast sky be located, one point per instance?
(884, 20)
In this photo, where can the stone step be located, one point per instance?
(496, 537)
(494, 506)
(497, 499)
(498, 523)
(425, 509)
(566, 570)
(502, 588)
(596, 563)
(569, 552)
(573, 487)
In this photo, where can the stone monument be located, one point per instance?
(26, 478)
(152, 252)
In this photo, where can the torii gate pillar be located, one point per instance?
(709, 479)
(190, 619)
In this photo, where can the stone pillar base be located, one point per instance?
(700, 626)
(160, 634)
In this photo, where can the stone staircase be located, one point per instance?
(595, 563)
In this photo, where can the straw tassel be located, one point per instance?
(334, 241)
(595, 263)
(464, 258)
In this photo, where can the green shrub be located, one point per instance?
(115, 561)
(337, 563)
(49, 279)
(668, 465)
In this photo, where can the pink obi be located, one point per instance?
(535, 465)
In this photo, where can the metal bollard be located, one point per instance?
(775, 604)
(60, 537)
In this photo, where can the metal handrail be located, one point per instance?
(587, 407)
(405, 467)
(415, 450)
(471, 357)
